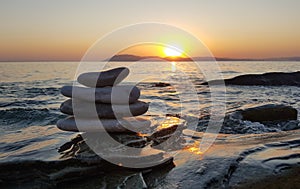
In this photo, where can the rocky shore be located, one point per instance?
(249, 160)
(267, 79)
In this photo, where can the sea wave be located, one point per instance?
(16, 118)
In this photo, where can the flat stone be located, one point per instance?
(104, 78)
(87, 109)
(122, 94)
(109, 125)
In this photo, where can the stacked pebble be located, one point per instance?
(115, 104)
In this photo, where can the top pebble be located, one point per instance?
(102, 79)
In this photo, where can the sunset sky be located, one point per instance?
(65, 29)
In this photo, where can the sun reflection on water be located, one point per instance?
(169, 122)
(194, 148)
(173, 66)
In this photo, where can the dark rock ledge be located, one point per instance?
(266, 79)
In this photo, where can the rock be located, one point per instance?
(143, 157)
(134, 181)
(68, 145)
(168, 134)
(86, 109)
(161, 84)
(105, 78)
(130, 139)
(123, 94)
(109, 125)
(269, 112)
(291, 125)
(76, 166)
(272, 79)
(163, 134)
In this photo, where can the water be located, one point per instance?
(30, 91)
(29, 108)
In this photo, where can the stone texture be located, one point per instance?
(87, 109)
(123, 94)
(109, 125)
(105, 78)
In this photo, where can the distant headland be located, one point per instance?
(130, 58)
(135, 58)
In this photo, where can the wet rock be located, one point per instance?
(75, 163)
(169, 135)
(269, 112)
(131, 140)
(122, 94)
(260, 119)
(68, 145)
(163, 134)
(173, 115)
(291, 125)
(271, 79)
(161, 84)
(142, 157)
(134, 181)
(105, 78)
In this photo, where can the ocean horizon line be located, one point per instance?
(134, 58)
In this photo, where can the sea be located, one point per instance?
(30, 91)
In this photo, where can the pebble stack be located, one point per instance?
(103, 98)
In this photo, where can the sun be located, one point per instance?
(172, 52)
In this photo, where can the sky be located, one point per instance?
(65, 29)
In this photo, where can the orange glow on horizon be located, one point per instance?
(154, 50)
(229, 47)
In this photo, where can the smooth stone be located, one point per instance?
(266, 79)
(87, 109)
(269, 112)
(122, 94)
(109, 125)
(104, 78)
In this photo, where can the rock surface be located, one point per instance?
(105, 78)
(87, 109)
(161, 84)
(29, 159)
(39, 165)
(122, 94)
(256, 120)
(109, 125)
(271, 79)
(269, 112)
